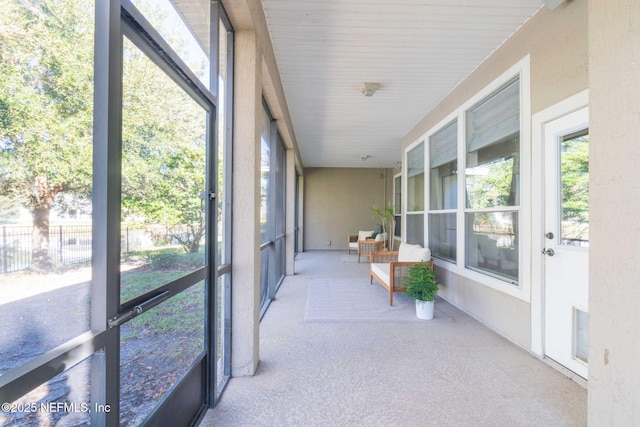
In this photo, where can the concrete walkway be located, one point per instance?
(456, 373)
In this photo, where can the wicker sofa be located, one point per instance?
(389, 268)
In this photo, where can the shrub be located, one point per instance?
(421, 282)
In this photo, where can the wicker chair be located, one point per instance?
(367, 247)
(392, 273)
(353, 239)
(352, 243)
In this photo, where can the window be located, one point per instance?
(265, 175)
(265, 207)
(415, 195)
(443, 192)
(397, 205)
(46, 172)
(175, 31)
(120, 226)
(492, 183)
(574, 179)
(475, 186)
(272, 210)
(223, 181)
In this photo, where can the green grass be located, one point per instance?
(167, 258)
(182, 313)
(134, 284)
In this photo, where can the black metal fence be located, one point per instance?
(69, 244)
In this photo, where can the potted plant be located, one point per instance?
(386, 216)
(422, 287)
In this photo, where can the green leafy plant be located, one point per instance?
(386, 216)
(421, 282)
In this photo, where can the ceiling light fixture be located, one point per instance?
(368, 89)
(365, 157)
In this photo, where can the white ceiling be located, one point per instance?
(418, 50)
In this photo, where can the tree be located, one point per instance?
(46, 117)
(575, 187)
(495, 186)
(164, 151)
(386, 216)
(46, 95)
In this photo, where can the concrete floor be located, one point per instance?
(456, 373)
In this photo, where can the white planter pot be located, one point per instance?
(424, 309)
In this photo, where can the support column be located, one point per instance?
(614, 192)
(290, 220)
(300, 234)
(247, 110)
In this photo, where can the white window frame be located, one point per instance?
(405, 183)
(521, 290)
(444, 123)
(396, 176)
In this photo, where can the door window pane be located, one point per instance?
(65, 400)
(191, 46)
(492, 244)
(46, 171)
(163, 176)
(156, 350)
(415, 179)
(574, 171)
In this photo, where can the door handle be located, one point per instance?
(139, 309)
(549, 252)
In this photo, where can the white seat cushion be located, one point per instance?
(381, 237)
(353, 245)
(404, 251)
(381, 270)
(364, 235)
(413, 253)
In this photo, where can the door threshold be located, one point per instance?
(567, 372)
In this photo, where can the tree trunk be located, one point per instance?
(194, 247)
(40, 258)
(40, 206)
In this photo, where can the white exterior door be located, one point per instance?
(566, 242)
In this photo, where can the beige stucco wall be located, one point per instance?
(338, 202)
(614, 186)
(557, 44)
